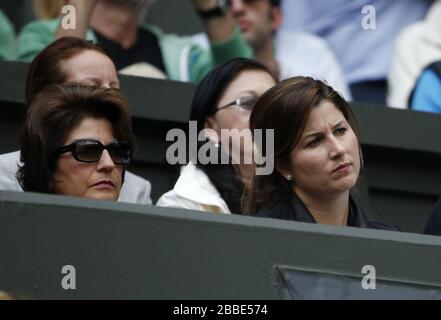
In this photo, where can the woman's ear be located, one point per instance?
(285, 170)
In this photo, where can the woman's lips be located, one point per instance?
(343, 168)
(104, 184)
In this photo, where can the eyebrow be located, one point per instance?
(318, 133)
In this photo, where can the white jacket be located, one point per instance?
(416, 47)
(194, 191)
(135, 189)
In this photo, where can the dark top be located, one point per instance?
(145, 49)
(433, 225)
(293, 208)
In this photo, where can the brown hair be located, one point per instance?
(46, 68)
(54, 113)
(286, 108)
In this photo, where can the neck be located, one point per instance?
(264, 53)
(329, 210)
(119, 24)
(246, 173)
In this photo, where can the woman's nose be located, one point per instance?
(105, 162)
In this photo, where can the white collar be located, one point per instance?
(193, 184)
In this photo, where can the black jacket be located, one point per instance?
(433, 225)
(293, 208)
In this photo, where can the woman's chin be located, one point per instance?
(102, 195)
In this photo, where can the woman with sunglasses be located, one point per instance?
(76, 141)
(223, 101)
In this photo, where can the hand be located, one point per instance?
(85, 7)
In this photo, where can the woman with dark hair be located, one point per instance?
(71, 61)
(76, 141)
(317, 156)
(223, 101)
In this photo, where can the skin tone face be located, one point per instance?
(326, 162)
(91, 68)
(250, 83)
(101, 180)
(257, 20)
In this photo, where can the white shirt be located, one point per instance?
(416, 47)
(194, 191)
(134, 190)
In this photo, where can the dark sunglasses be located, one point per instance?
(91, 150)
(245, 103)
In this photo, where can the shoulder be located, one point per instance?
(9, 164)
(383, 226)
(135, 190)
(194, 190)
(34, 37)
(279, 210)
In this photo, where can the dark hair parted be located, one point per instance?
(286, 108)
(46, 68)
(224, 177)
(54, 113)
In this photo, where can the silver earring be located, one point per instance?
(289, 177)
(217, 145)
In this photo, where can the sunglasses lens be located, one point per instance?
(88, 151)
(119, 152)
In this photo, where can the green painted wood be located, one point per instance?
(146, 252)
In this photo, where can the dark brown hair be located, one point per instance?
(286, 108)
(53, 114)
(46, 68)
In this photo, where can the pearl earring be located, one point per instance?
(289, 177)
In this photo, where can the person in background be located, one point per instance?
(137, 48)
(76, 141)
(7, 38)
(417, 46)
(426, 95)
(223, 101)
(317, 156)
(285, 53)
(361, 33)
(71, 61)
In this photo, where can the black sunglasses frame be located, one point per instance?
(239, 103)
(72, 148)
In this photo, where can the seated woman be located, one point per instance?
(317, 156)
(76, 141)
(223, 101)
(71, 61)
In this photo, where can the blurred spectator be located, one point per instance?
(427, 93)
(71, 61)
(286, 53)
(416, 47)
(223, 101)
(76, 141)
(46, 10)
(433, 225)
(365, 54)
(142, 49)
(7, 38)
